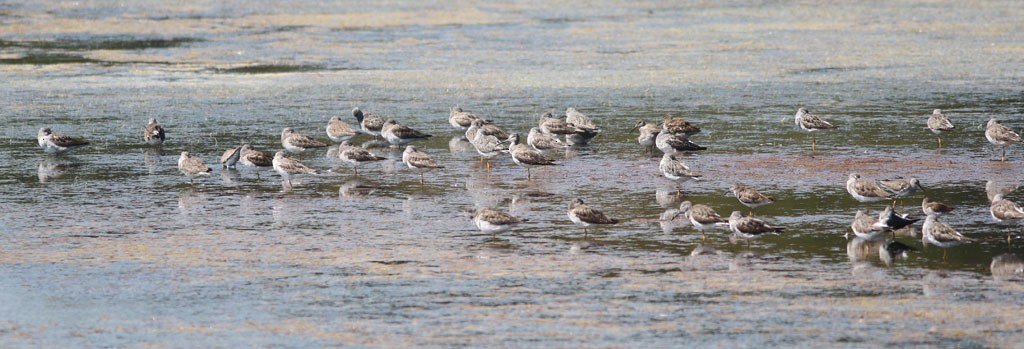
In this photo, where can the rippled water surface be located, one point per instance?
(109, 245)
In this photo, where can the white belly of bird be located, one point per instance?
(576, 220)
(489, 228)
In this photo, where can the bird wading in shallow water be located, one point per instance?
(938, 124)
(750, 197)
(812, 124)
(254, 158)
(419, 161)
(296, 142)
(153, 133)
(56, 143)
(942, 235)
(192, 167)
(1001, 136)
(287, 167)
(525, 156)
(583, 215)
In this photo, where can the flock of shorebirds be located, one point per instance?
(670, 136)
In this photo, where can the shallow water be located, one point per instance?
(109, 245)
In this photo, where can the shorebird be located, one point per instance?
(583, 215)
(1004, 210)
(866, 226)
(1001, 136)
(541, 141)
(486, 128)
(486, 145)
(296, 142)
(461, 120)
(550, 124)
(355, 155)
(703, 217)
(369, 123)
(890, 219)
(287, 167)
(230, 157)
(493, 221)
(339, 131)
(750, 197)
(934, 208)
(419, 161)
(398, 134)
(55, 143)
(670, 143)
(678, 125)
(192, 167)
(648, 133)
(582, 122)
(942, 235)
(525, 156)
(811, 123)
(153, 133)
(254, 158)
(865, 190)
(938, 124)
(750, 228)
(900, 187)
(675, 170)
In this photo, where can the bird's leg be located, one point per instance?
(940, 142)
(421, 177)
(528, 175)
(944, 255)
(1004, 154)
